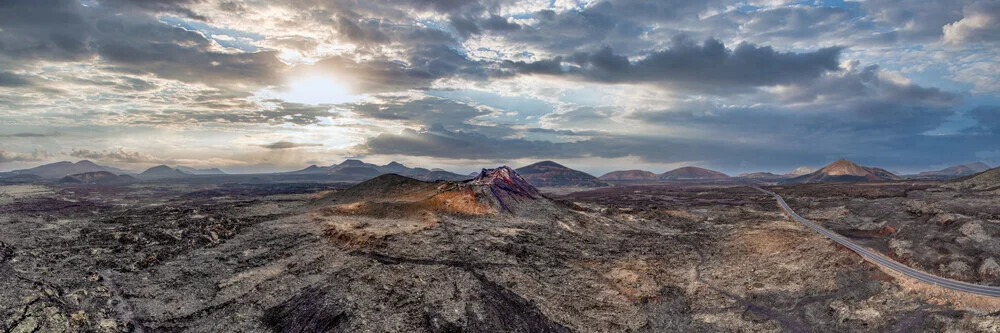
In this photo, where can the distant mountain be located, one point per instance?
(552, 174)
(692, 173)
(62, 169)
(843, 170)
(440, 175)
(629, 175)
(99, 177)
(978, 166)
(312, 169)
(986, 180)
(162, 172)
(193, 171)
(803, 170)
(765, 176)
(357, 170)
(955, 171)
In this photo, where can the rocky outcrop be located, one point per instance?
(503, 188)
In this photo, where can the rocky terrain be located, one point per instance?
(99, 177)
(488, 254)
(947, 229)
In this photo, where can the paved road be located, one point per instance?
(886, 262)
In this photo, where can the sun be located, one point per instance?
(317, 89)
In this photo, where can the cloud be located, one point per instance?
(423, 111)
(8, 79)
(988, 117)
(30, 135)
(980, 24)
(117, 155)
(37, 155)
(288, 145)
(705, 66)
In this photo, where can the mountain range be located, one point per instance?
(542, 174)
(65, 168)
(357, 170)
(679, 174)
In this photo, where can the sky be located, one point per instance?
(735, 86)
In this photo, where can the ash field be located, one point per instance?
(491, 254)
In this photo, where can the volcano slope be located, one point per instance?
(399, 255)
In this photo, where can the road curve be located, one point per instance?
(884, 261)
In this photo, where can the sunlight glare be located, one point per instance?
(317, 89)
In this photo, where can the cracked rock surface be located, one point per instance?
(268, 258)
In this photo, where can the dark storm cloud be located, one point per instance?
(43, 29)
(988, 118)
(866, 85)
(425, 64)
(425, 111)
(8, 79)
(129, 41)
(708, 65)
(288, 145)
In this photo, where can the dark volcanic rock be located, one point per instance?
(504, 187)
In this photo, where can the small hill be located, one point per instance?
(312, 169)
(978, 166)
(765, 176)
(162, 172)
(692, 173)
(65, 168)
(843, 170)
(552, 174)
(193, 171)
(803, 170)
(986, 180)
(956, 171)
(393, 196)
(99, 177)
(440, 175)
(388, 187)
(629, 175)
